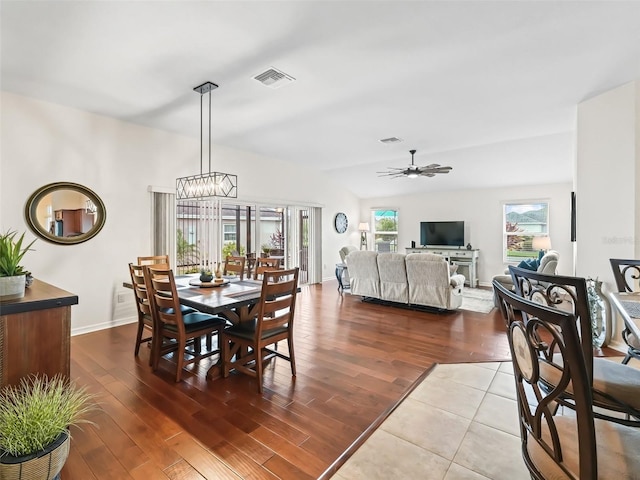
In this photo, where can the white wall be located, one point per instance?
(481, 210)
(44, 143)
(608, 183)
(607, 180)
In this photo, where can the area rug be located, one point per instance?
(477, 300)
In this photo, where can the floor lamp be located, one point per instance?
(364, 228)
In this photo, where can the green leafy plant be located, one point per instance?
(38, 410)
(11, 253)
(229, 248)
(266, 247)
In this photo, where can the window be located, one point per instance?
(229, 232)
(521, 223)
(385, 230)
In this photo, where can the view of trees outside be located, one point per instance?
(187, 253)
(522, 222)
(386, 230)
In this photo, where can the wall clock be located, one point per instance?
(341, 222)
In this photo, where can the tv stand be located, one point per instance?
(456, 256)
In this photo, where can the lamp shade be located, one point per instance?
(541, 243)
(363, 227)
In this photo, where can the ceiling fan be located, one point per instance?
(413, 171)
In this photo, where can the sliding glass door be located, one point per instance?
(209, 230)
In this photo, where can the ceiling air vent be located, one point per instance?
(391, 140)
(274, 78)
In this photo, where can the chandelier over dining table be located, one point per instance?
(206, 184)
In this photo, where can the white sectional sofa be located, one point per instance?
(413, 279)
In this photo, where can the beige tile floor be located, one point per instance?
(460, 423)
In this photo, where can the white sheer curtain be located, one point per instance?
(163, 223)
(305, 238)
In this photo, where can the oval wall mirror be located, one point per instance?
(65, 213)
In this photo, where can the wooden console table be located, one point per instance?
(456, 256)
(35, 333)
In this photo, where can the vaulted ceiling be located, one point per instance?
(489, 88)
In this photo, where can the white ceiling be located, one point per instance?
(489, 88)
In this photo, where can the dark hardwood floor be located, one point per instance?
(354, 361)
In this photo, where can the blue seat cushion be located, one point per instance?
(183, 309)
(197, 321)
(247, 330)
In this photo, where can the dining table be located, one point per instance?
(628, 306)
(234, 299)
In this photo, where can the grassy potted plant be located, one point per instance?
(12, 274)
(35, 417)
(266, 249)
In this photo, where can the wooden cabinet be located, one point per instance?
(74, 222)
(35, 333)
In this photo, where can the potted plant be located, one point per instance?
(12, 274)
(206, 275)
(266, 249)
(35, 417)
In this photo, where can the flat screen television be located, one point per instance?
(442, 234)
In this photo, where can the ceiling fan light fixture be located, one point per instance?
(414, 171)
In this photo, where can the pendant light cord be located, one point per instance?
(209, 131)
(201, 146)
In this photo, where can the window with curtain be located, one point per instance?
(522, 222)
(384, 230)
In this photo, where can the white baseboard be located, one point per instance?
(103, 326)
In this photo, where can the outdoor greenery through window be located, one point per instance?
(521, 223)
(385, 230)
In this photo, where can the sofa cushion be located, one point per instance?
(363, 273)
(393, 277)
(429, 281)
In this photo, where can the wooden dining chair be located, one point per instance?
(157, 260)
(627, 274)
(170, 324)
(264, 264)
(143, 309)
(573, 446)
(273, 323)
(615, 388)
(234, 265)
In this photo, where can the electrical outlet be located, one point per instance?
(122, 297)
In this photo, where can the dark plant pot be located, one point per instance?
(206, 278)
(43, 465)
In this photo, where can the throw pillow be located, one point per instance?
(529, 264)
(453, 269)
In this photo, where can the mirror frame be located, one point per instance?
(32, 205)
